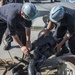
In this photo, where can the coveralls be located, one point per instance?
(67, 24)
(10, 18)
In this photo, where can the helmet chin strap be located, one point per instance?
(22, 14)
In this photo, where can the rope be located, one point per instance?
(48, 72)
(2, 60)
(11, 56)
(9, 53)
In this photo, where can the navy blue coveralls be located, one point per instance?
(10, 18)
(8, 37)
(68, 24)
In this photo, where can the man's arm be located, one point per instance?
(12, 27)
(23, 48)
(28, 33)
(28, 42)
(16, 38)
(67, 37)
(48, 28)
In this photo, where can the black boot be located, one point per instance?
(7, 46)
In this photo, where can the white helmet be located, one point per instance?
(30, 11)
(56, 13)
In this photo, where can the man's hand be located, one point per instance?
(24, 50)
(58, 47)
(46, 34)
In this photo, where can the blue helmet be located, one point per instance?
(30, 11)
(56, 13)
